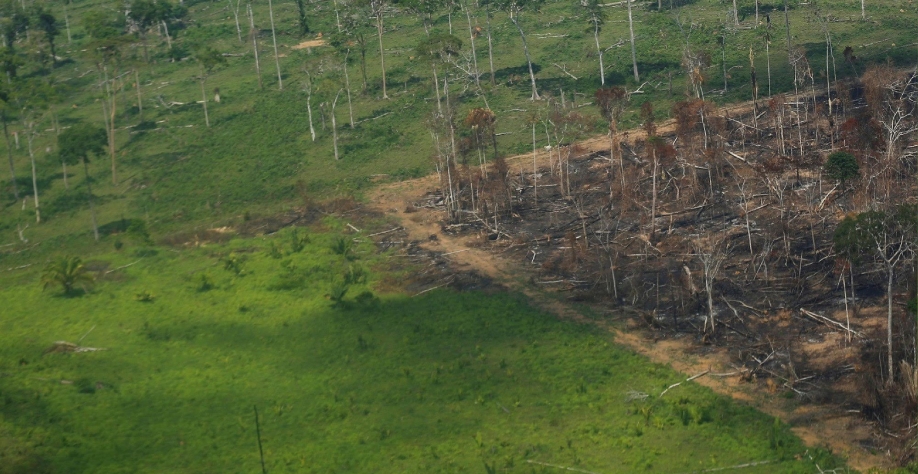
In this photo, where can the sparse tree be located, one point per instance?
(514, 9)
(208, 59)
(78, 144)
(48, 24)
(596, 17)
(711, 252)
(280, 80)
(301, 19)
(436, 49)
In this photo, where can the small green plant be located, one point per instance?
(355, 274)
(338, 291)
(342, 246)
(145, 297)
(85, 385)
(274, 251)
(842, 166)
(203, 283)
(233, 263)
(298, 242)
(68, 273)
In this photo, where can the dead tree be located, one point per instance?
(711, 251)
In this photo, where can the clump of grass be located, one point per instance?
(203, 282)
(145, 296)
(342, 246)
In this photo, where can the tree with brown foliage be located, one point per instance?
(612, 102)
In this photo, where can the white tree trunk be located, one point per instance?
(31, 138)
(382, 55)
(468, 18)
(334, 124)
(236, 16)
(637, 77)
(255, 45)
(204, 100)
(280, 81)
(602, 69)
(490, 49)
(347, 85)
(535, 92)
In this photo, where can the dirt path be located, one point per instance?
(817, 425)
(310, 44)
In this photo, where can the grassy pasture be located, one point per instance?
(443, 382)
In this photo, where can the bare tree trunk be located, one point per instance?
(334, 124)
(756, 14)
(347, 84)
(535, 175)
(490, 48)
(254, 34)
(204, 97)
(312, 130)
(236, 16)
(468, 18)
(787, 28)
(337, 17)
(67, 23)
(92, 208)
(168, 37)
(889, 321)
(602, 69)
(30, 138)
(436, 86)
(139, 97)
(382, 52)
(280, 81)
(535, 92)
(637, 77)
(9, 153)
(863, 13)
(653, 199)
(768, 62)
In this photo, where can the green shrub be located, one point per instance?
(342, 246)
(145, 297)
(68, 273)
(203, 283)
(355, 274)
(338, 291)
(298, 242)
(842, 166)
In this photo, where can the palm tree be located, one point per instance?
(68, 272)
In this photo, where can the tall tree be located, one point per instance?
(596, 17)
(377, 8)
(208, 59)
(514, 9)
(5, 108)
(144, 14)
(48, 24)
(436, 49)
(253, 33)
(78, 144)
(301, 19)
(32, 97)
(280, 80)
(637, 77)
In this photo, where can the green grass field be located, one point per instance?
(443, 382)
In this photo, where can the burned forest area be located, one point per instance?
(780, 232)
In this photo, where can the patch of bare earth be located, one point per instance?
(755, 364)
